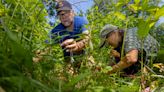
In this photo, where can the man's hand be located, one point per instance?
(70, 45)
(130, 58)
(115, 53)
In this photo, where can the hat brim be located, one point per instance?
(63, 9)
(102, 42)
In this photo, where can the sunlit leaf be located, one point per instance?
(120, 15)
(133, 7)
(151, 24)
(137, 1)
(158, 65)
(119, 4)
(159, 13)
(152, 9)
(143, 28)
(96, 8)
(145, 4)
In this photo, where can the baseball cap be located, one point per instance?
(105, 31)
(63, 5)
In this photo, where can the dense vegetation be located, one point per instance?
(24, 28)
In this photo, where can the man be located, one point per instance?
(131, 45)
(71, 32)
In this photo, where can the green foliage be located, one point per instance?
(23, 30)
(20, 22)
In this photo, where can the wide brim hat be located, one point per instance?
(107, 29)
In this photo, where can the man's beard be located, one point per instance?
(67, 24)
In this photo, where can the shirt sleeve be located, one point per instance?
(55, 34)
(85, 22)
(131, 40)
(79, 23)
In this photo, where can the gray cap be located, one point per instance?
(105, 31)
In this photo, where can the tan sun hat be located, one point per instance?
(104, 32)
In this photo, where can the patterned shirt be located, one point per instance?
(132, 41)
(149, 44)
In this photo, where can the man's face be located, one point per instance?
(66, 17)
(113, 39)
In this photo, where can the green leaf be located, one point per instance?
(145, 4)
(76, 79)
(159, 13)
(143, 29)
(152, 9)
(42, 86)
(120, 15)
(133, 7)
(106, 69)
(96, 8)
(119, 4)
(98, 88)
(137, 1)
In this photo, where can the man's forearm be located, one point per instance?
(120, 65)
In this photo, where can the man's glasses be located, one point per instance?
(63, 14)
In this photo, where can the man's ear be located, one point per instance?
(121, 32)
(73, 13)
